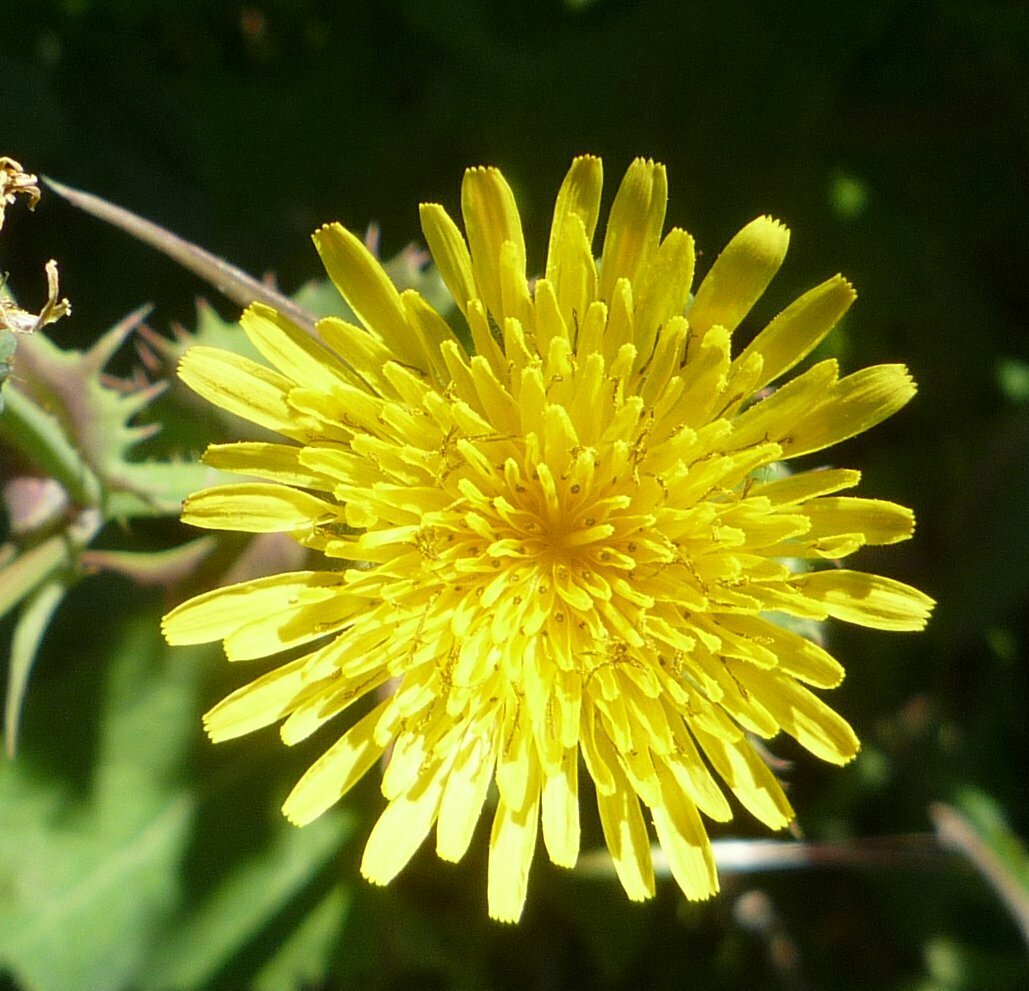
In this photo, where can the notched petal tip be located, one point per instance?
(209, 729)
(767, 218)
(170, 631)
(646, 163)
(328, 230)
(841, 280)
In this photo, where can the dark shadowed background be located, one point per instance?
(891, 136)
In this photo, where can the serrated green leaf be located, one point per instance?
(30, 428)
(81, 412)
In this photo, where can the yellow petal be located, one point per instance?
(704, 375)
(561, 810)
(412, 747)
(273, 462)
(572, 273)
(335, 415)
(878, 521)
(485, 343)
(775, 418)
(292, 351)
(579, 196)
(259, 704)
(219, 613)
(870, 600)
(804, 716)
(241, 386)
(449, 252)
(368, 291)
(433, 331)
(748, 776)
(550, 323)
(328, 699)
(516, 758)
(684, 842)
(634, 224)
(664, 289)
(795, 655)
(806, 485)
(625, 834)
(256, 507)
(515, 301)
(744, 706)
(739, 276)
(362, 351)
(494, 399)
(799, 329)
(693, 776)
(334, 773)
(403, 826)
(511, 847)
(491, 218)
(853, 405)
(763, 528)
(308, 615)
(621, 323)
(463, 798)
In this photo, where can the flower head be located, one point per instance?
(562, 541)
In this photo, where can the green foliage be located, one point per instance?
(95, 851)
(1013, 379)
(76, 472)
(91, 877)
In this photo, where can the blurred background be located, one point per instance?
(892, 136)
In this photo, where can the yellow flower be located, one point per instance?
(561, 544)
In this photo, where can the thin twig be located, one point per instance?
(753, 856)
(232, 282)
